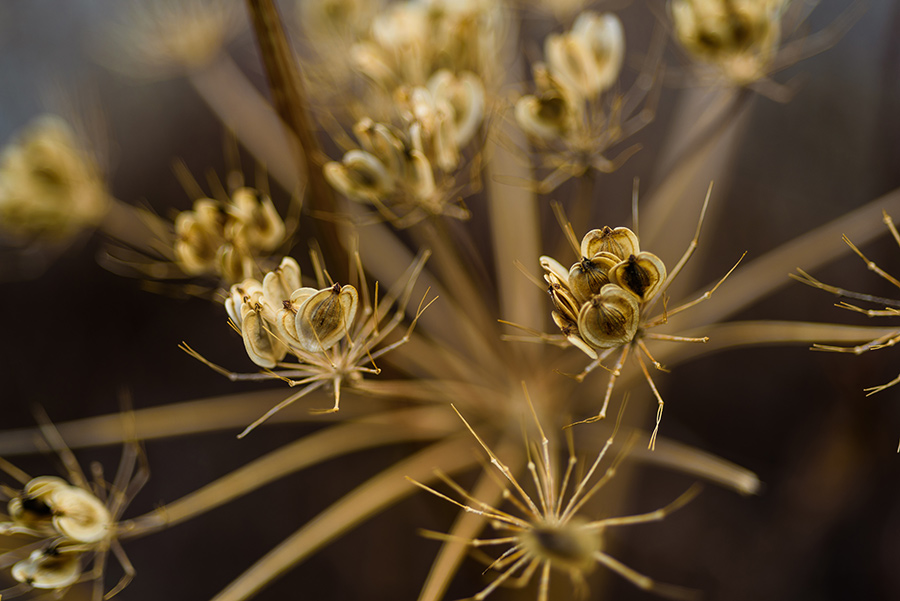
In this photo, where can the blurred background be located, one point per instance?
(827, 524)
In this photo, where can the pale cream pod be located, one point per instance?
(610, 319)
(465, 93)
(604, 39)
(51, 568)
(548, 116)
(234, 262)
(740, 36)
(198, 237)
(360, 176)
(286, 316)
(262, 347)
(562, 297)
(570, 331)
(280, 283)
(32, 508)
(236, 297)
(256, 219)
(552, 266)
(621, 242)
(643, 274)
(383, 142)
(79, 515)
(571, 62)
(324, 318)
(420, 177)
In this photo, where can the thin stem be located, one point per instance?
(374, 495)
(342, 439)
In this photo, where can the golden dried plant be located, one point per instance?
(401, 77)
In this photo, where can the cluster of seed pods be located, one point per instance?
(72, 522)
(597, 303)
(226, 239)
(279, 315)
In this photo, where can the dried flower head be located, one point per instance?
(738, 37)
(50, 186)
(410, 172)
(546, 532)
(604, 302)
(575, 117)
(161, 38)
(70, 523)
(410, 41)
(331, 333)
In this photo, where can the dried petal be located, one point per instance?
(604, 39)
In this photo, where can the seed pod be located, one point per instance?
(324, 318)
(360, 176)
(419, 176)
(198, 237)
(588, 276)
(643, 274)
(465, 94)
(609, 319)
(552, 266)
(262, 347)
(548, 116)
(79, 515)
(286, 316)
(741, 38)
(237, 294)
(383, 142)
(50, 568)
(280, 283)
(563, 300)
(621, 242)
(235, 263)
(569, 329)
(604, 38)
(570, 61)
(32, 509)
(255, 223)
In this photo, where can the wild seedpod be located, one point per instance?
(331, 333)
(50, 186)
(72, 522)
(547, 529)
(576, 117)
(743, 43)
(409, 174)
(739, 37)
(603, 305)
